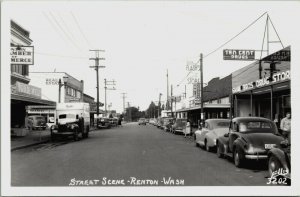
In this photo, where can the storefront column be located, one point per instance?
(251, 103)
(271, 91)
(235, 106)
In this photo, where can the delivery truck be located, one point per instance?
(73, 119)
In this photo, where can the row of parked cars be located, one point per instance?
(242, 139)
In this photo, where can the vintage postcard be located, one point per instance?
(149, 98)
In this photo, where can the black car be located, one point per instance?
(248, 138)
(103, 123)
(279, 159)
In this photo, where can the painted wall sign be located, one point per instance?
(24, 89)
(277, 77)
(22, 55)
(237, 54)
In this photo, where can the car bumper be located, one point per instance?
(258, 157)
(179, 130)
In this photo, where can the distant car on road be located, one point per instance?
(36, 122)
(179, 125)
(279, 158)
(142, 121)
(248, 138)
(212, 129)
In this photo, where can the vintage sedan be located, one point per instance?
(212, 129)
(248, 138)
(179, 125)
(279, 160)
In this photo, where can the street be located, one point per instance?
(130, 155)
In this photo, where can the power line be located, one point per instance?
(78, 26)
(235, 36)
(224, 44)
(70, 34)
(62, 56)
(60, 27)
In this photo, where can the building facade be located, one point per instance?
(69, 90)
(216, 102)
(263, 88)
(22, 94)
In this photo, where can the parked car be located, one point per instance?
(36, 122)
(113, 122)
(248, 138)
(279, 158)
(179, 125)
(103, 123)
(167, 125)
(212, 129)
(142, 121)
(161, 122)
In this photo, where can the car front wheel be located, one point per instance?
(238, 158)
(274, 165)
(219, 150)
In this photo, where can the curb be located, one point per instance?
(28, 145)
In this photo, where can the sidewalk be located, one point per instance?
(33, 137)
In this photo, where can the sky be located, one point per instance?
(144, 39)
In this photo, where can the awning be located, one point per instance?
(31, 100)
(206, 106)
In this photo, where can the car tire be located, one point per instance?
(76, 137)
(238, 158)
(207, 148)
(219, 150)
(273, 165)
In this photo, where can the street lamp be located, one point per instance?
(65, 79)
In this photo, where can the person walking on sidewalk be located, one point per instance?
(187, 129)
(285, 126)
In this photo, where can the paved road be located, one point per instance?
(130, 155)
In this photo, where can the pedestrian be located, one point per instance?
(285, 126)
(187, 128)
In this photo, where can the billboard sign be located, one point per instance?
(237, 54)
(22, 55)
(28, 90)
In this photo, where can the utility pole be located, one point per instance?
(97, 58)
(108, 83)
(172, 100)
(124, 96)
(201, 86)
(129, 111)
(159, 104)
(167, 92)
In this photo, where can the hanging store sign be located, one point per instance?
(237, 54)
(277, 77)
(279, 56)
(22, 55)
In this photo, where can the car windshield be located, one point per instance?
(63, 116)
(257, 126)
(40, 118)
(221, 124)
(142, 119)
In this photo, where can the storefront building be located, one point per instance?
(22, 94)
(263, 88)
(58, 86)
(216, 97)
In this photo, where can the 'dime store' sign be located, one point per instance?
(237, 54)
(277, 77)
(22, 55)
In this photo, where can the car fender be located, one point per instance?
(280, 155)
(238, 143)
(210, 139)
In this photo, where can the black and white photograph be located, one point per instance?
(149, 98)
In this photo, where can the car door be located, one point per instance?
(233, 135)
(204, 130)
